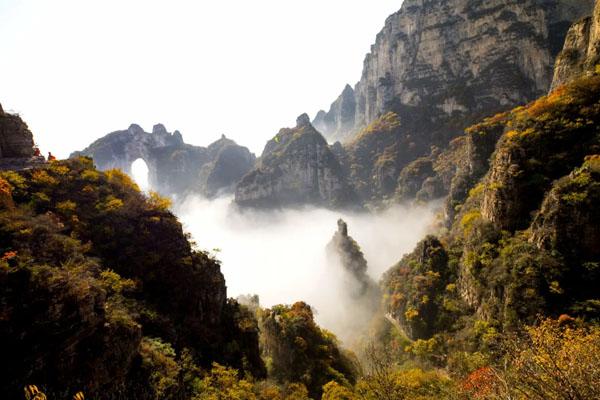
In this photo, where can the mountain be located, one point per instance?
(457, 59)
(175, 168)
(522, 239)
(102, 292)
(358, 291)
(17, 149)
(581, 52)
(436, 68)
(297, 167)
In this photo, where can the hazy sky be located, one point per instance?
(77, 69)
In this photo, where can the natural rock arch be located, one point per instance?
(174, 167)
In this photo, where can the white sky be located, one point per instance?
(78, 69)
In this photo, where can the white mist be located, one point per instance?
(280, 255)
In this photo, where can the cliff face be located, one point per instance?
(414, 288)
(439, 67)
(569, 218)
(545, 142)
(581, 52)
(16, 140)
(297, 167)
(343, 247)
(340, 118)
(174, 166)
(457, 59)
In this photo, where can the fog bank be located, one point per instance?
(280, 255)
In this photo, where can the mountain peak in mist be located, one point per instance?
(302, 120)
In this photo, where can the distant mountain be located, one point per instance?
(436, 68)
(297, 167)
(454, 59)
(174, 166)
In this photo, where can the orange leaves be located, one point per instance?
(9, 255)
(480, 382)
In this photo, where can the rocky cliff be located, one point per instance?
(174, 166)
(439, 67)
(455, 59)
(523, 218)
(581, 52)
(296, 167)
(350, 257)
(16, 140)
(17, 150)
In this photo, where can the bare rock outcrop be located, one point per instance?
(297, 167)
(175, 167)
(456, 58)
(581, 52)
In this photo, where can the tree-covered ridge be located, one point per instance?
(523, 244)
(297, 350)
(103, 292)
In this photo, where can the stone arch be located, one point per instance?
(174, 167)
(121, 149)
(141, 173)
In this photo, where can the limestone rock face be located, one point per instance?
(297, 167)
(174, 166)
(581, 52)
(455, 59)
(340, 117)
(16, 140)
(352, 260)
(542, 143)
(569, 219)
(440, 66)
(359, 292)
(229, 163)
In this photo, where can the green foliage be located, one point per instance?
(87, 262)
(387, 122)
(302, 352)
(159, 359)
(415, 290)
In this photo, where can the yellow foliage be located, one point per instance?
(385, 123)
(411, 314)
(223, 383)
(557, 360)
(158, 202)
(41, 177)
(477, 190)
(335, 391)
(468, 220)
(90, 175)
(59, 169)
(118, 177)
(16, 180)
(111, 203)
(66, 206)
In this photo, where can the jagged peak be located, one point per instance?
(342, 227)
(348, 90)
(320, 114)
(135, 129)
(303, 120)
(178, 137)
(159, 129)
